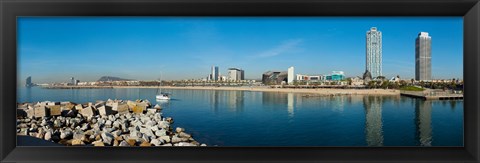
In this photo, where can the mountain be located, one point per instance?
(111, 78)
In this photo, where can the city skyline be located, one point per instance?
(54, 49)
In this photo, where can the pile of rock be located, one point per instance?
(110, 123)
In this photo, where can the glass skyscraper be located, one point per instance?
(374, 52)
(423, 57)
(215, 73)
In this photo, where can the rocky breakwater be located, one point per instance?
(105, 123)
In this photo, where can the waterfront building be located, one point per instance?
(301, 77)
(214, 74)
(242, 74)
(291, 76)
(274, 77)
(235, 74)
(374, 52)
(335, 76)
(28, 82)
(72, 80)
(423, 57)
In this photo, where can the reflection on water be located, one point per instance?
(290, 105)
(373, 120)
(423, 122)
(249, 118)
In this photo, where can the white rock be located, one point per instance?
(156, 142)
(165, 138)
(107, 138)
(179, 129)
(160, 133)
(48, 135)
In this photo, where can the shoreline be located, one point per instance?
(321, 91)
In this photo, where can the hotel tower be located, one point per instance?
(374, 52)
(423, 57)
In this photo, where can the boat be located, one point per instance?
(162, 95)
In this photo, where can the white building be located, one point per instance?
(291, 76)
(374, 52)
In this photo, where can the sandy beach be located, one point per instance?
(322, 91)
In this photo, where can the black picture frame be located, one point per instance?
(11, 9)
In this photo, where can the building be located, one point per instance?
(242, 74)
(274, 77)
(335, 76)
(374, 52)
(423, 57)
(301, 77)
(214, 74)
(72, 81)
(291, 75)
(235, 74)
(28, 82)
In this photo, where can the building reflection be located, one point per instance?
(235, 100)
(373, 120)
(214, 98)
(29, 94)
(423, 122)
(290, 103)
(273, 98)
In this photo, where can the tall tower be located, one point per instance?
(290, 75)
(423, 57)
(215, 73)
(28, 82)
(374, 52)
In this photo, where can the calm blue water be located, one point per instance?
(244, 118)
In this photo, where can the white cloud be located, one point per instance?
(282, 48)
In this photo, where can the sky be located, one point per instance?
(53, 49)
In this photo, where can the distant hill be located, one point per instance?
(111, 78)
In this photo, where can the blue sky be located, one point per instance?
(53, 49)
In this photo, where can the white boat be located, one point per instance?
(161, 96)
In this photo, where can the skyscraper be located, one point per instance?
(374, 52)
(423, 57)
(28, 82)
(290, 76)
(215, 73)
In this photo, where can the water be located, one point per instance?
(244, 118)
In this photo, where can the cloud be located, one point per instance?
(282, 48)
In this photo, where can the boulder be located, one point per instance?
(157, 107)
(41, 111)
(64, 134)
(87, 112)
(185, 144)
(156, 142)
(107, 138)
(145, 144)
(138, 109)
(168, 144)
(165, 138)
(131, 142)
(48, 135)
(55, 110)
(77, 142)
(98, 144)
(160, 133)
(105, 110)
(184, 135)
(124, 144)
(151, 111)
(179, 129)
